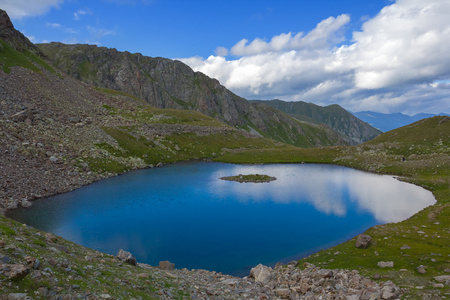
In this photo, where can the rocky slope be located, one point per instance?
(334, 116)
(166, 83)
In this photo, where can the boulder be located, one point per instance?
(263, 274)
(443, 278)
(363, 241)
(127, 257)
(385, 264)
(421, 270)
(166, 265)
(14, 271)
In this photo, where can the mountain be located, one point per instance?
(334, 116)
(387, 122)
(166, 83)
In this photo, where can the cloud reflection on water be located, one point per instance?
(329, 189)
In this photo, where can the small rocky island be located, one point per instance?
(258, 178)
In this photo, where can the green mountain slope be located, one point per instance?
(165, 83)
(334, 116)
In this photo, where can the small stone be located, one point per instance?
(143, 275)
(166, 265)
(438, 285)
(363, 241)
(18, 296)
(283, 293)
(43, 291)
(421, 270)
(385, 264)
(105, 296)
(51, 237)
(405, 247)
(127, 257)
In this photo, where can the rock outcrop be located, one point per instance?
(13, 37)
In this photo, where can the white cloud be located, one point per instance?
(328, 31)
(18, 9)
(53, 25)
(399, 61)
(221, 51)
(79, 13)
(405, 43)
(98, 33)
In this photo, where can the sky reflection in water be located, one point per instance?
(184, 213)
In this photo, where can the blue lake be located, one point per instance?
(185, 214)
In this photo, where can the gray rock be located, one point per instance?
(443, 278)
(421, 270)
(283, 293)
(18, 296)
(14, 271)
(127, 257)
(166, 265)
(385, 264)
(363, 241)
(405, 247)
(263, 274)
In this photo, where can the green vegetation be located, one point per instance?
(10, 57)
(117, 93)
(249, 178)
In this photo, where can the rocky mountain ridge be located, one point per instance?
(334, 116)
(166, 83)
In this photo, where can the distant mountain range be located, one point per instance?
(387, 122)
(334, 116)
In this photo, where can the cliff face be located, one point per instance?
(334, 116)
(165, 83)
(13, 37)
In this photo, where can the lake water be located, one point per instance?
(185, 214)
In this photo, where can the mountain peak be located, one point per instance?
(14, 37)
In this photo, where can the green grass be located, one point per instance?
(7, 230)
(9, 57)
(117, 93)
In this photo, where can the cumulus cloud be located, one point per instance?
(328, 31)
(18, 9)
(404, 43)
(398, 61)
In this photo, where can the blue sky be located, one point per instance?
(381, 55)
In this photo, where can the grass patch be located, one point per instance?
(7, 230)
(10, 57)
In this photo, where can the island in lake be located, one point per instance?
(249, 178)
